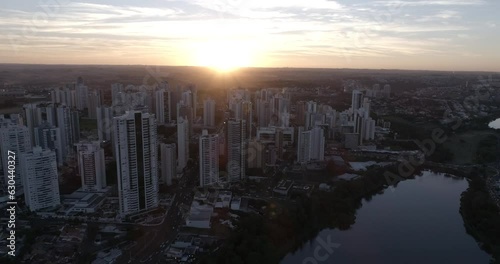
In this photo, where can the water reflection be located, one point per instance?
(495, 124)
(418, 222)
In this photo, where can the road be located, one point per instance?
(150, 247)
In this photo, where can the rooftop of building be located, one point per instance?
(284, 185)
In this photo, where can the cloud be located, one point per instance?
(229, 5)
(491, 24)
(429, 3)
(314, 27)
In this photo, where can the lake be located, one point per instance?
(416, 222)
(495, 124)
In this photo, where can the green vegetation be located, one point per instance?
(487, 149)
(466, 145)
(481, 216)
(133, 234)
(285, 226)
(111, 173)
(399, 145)
(6, 104)
(408, 129)
(88, 124)
(249, 243)
(166, 131)
(442, 154)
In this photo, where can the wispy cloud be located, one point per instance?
(430, 3)
(305, 28)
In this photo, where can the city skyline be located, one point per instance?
(77, 155)
(265, 131)
(433, 35)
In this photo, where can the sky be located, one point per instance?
(382, 34)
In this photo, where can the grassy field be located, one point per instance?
(10, 110)
(410, 129)
(88, 124)
(465, 145)
(471, 145)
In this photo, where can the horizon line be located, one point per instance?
(253, 67)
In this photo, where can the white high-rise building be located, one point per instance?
(194, 98)
(170, 101)
(368, 129)
(190, 98)
(311, 106)
(31, 118)
(15, 138)
(302, 145)
(357, 100)
(256, 152)
(279, 104)
(366, 108)
(163, 106)
(168, 163)
(93, 102)
(65, 97)
(39, 174)
(15, 119)
(236, 149)
(331, 121)
(182, 144)
(263, 113)
(91, 166)
(209, 113)
(187, 98)
(186, 112)
(247, 110)
(104, 123)
(313, 119)
(117, 90)
(60, 116)
(364, 125)
(133, 98)
(69, 98)
(55, 95)
(48, 136)
(311, 145)
(82, 92)
(209, 159)
(46, 113)
(284, 119)
(235, 105)
(387, 91)
(135, 141)
(68, 122)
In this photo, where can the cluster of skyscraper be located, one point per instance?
(131, 125)
(257, 132)
(231, 141)
(42, 140)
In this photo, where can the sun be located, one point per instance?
(223, 56)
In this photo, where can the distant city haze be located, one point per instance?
(226, 34)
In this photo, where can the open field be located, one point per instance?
(465, 145)
(88, 124)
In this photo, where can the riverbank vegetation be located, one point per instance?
(481, 216)
(281, 227)
(285, 226)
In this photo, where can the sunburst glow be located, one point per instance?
(224, 55)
